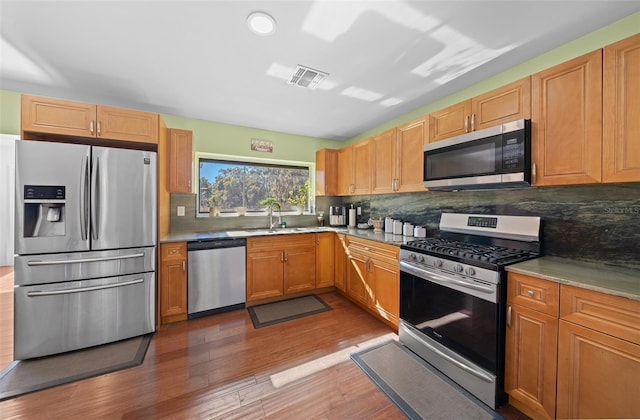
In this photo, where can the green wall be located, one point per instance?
(212, 137)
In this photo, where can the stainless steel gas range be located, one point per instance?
(453, 296)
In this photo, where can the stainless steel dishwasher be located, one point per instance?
(216, 279)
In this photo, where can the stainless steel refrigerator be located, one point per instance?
(85, 243)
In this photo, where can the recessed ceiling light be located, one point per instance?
(261, 23)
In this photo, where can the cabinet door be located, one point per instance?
(57, 116)
(325, 257)
(362, 167)
(299, 269)
(341, 262)
(173, 282)
(127, 125)
(345, 170)
(450, 121)
(508, 103)
(566, 115)
(180, 160)
(357, 287)
(384, 280)
(621, 106)
(411, 138)
(530, 367)
(264, 274)
(327, 172)
(598, 375)
(383, 150)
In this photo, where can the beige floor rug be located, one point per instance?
(274, 313)
(24, 376)
(418, 389)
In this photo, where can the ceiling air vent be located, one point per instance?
(306, 77)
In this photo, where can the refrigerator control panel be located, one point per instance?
(44, 192)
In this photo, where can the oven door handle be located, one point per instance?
(469, 369)
(437, 278)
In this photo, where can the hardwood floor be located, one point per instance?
(221, 367)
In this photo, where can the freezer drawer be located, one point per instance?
(54, 268)
(56, 318)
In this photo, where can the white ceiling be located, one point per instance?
(198, 59)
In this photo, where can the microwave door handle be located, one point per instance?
(84, 169)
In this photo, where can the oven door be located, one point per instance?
(462, 317)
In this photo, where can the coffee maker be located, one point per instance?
(337, 216)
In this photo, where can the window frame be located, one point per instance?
(255, 160)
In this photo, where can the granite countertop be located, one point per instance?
(613, 280)
(386, 238)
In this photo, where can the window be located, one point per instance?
(236, 187)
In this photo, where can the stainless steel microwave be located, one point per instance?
(495, 157)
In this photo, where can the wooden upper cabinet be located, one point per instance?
(507, 103)
(411, 138)
(41, 115)
(179, 160)
(327, 172)
(362, 167)
(56, 116)
(345, 170)
(450, 121)
(621, 111)
(566, 114)
(126, 124)
(383, 176)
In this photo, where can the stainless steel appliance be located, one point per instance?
(495, 157)
(85, 237)
(453, 296)
(337, 216)
(216, 276)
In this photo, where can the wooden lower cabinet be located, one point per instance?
(373, 278)
(173, 282)
(279, 265)
(341, 262)
(571, 352)
(325, 259)
(531, 345)
(598, 375)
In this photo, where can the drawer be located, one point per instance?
(612, 315)
(173, 250)
(372, 249)
(280, 242)
(533, 293)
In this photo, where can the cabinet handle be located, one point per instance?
(530, 293)
(509, 316)
(533, 172)
(98, 127)
(189, 184)
(91, 127)
(466, 124)
(473, 122)
(184, 266)
(286, 256)
(281, 256)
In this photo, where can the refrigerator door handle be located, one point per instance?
(84, 260)
(37, 293)
(83, 197)
(95, 198)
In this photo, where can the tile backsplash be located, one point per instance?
(598, 223)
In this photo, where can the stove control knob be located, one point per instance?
(470, 271)
(438, 263)
(421, 258)
(458, 268)
(412, 256)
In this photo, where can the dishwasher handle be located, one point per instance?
(215, 244)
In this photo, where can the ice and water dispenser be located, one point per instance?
(44, 210)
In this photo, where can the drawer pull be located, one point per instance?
(530, 293)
